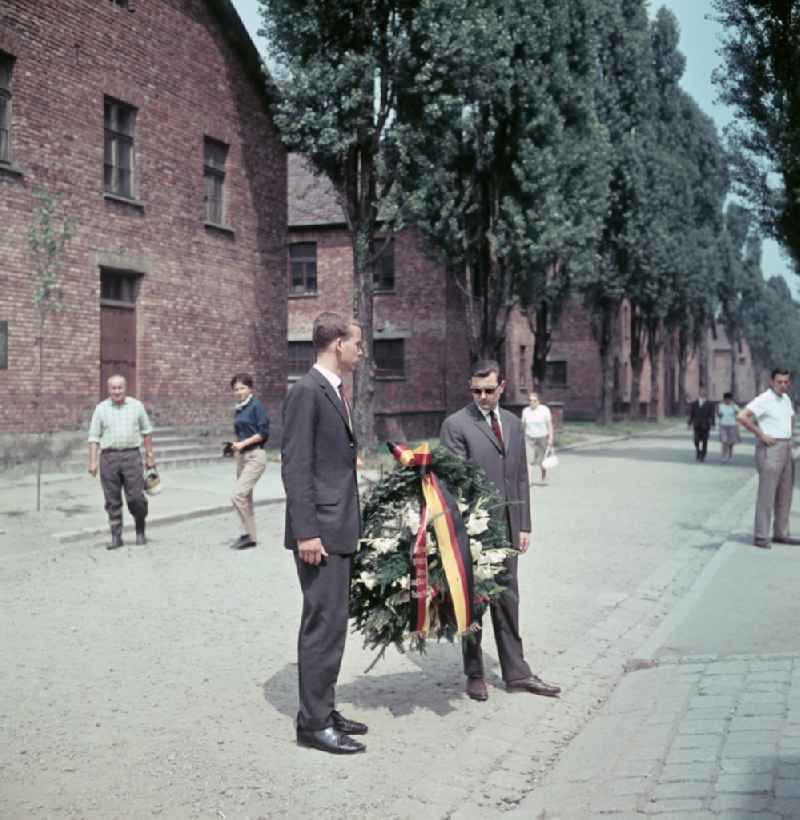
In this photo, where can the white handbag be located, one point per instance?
(550, 459)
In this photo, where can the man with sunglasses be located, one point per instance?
(484, 434)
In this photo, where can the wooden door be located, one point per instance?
(117, 346)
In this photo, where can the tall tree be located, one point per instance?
(504, 161)
(760, 80)
(622, 95)
(340, 68)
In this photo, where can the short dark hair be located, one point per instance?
(727, 396)
(328, 327)
(485, 367)
(242, 378)
(780, 371)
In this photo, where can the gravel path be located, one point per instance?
(159, 680)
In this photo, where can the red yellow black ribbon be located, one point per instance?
(440, 509)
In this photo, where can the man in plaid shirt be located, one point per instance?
(119, 425)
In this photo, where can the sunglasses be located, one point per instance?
(479, 391)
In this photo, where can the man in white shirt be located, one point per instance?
(770, 418)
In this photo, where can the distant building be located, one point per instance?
(150, 123)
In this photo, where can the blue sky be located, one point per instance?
(699, 43)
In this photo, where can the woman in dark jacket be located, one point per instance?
(252, 431)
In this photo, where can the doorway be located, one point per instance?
(118, 292)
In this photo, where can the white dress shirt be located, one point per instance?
(774, 413)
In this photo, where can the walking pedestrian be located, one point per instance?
(701, 419)
(323, 525)
(119, 426)
(770, 418)
(728, 427)
(538, 423)
(251, 425)
(484, 434)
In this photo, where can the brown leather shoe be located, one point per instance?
(535, 685)
(762, 544)
(787, 539)
(476, 689)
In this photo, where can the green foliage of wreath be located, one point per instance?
(380, 593)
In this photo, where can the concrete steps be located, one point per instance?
(175, 447)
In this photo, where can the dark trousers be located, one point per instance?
(505, 620)
(320, 641)
(701, 442)
(123, 469)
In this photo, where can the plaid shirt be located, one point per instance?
(117, 426)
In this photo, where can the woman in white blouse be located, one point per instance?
(538, 424)
(728, 428)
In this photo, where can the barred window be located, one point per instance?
(303, 267)
(301, 357)
(555, 373)
(119, 122)
(215, 154)
(6, 68)
(390, 358)
(383, 271)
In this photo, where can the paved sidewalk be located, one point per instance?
(707, 723)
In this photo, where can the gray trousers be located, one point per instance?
(123, 469)
(775, 485)
(505, 620)
(320, 641)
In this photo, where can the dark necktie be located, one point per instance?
(343, 397)
(496, 428)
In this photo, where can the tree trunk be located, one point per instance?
(363, 378)
(637, 364)
(683, 368)
(606, 349)
(702, 360)
(541, 343)
(655, 345)
(734, 386)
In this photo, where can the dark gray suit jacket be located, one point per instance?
(318, 467)
(467, 434)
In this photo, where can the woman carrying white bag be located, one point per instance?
(538, 423)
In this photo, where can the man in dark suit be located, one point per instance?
(701, 418)
(492, 438)
(323, 525)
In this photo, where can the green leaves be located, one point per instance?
(47, 240)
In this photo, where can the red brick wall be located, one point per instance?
(421, 310)
(210, 302)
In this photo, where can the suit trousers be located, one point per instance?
(775, 467)
(701, 441)
(505, 620)
(321, 639)
(249, 467)
(123, 469)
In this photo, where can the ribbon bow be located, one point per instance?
(439, 508)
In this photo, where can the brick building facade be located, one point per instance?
(148, 120)
(421, 351)
(421, 354)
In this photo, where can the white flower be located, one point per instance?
(484, 572)
(462, 506)
(369, 579)
(404, 582)
(431, 547)
(478, 522)
(384, 545)
(475, 547)
(411, 517)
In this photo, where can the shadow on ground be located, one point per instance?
(661, 454)
(436, 685)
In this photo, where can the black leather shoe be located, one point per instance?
(140, 536)
(535, 685)
(476, 689)
(762, 544)
(329, 740)
(244, 542)
(116, 540)
(349, 727)
(787, 539)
